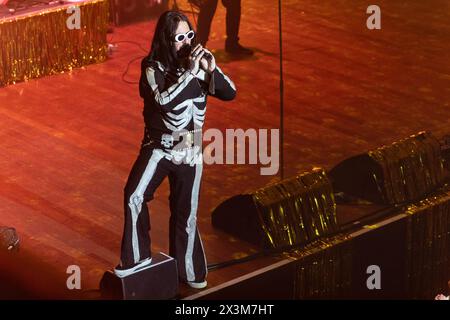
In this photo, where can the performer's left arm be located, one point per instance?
(219, 84)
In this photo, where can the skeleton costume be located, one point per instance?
(174, 109)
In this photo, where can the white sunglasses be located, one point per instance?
(181, 36)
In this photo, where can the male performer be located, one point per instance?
(176, 78)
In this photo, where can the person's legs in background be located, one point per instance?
(233, 20)
(205, 17)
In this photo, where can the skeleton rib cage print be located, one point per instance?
(176, 101)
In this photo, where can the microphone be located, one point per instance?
(207, 56)
(186, 50)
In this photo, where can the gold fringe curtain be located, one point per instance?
(411, 167)
(428, 246)
(324, 267)
(39, 43)
(325, 274)
(297, 210)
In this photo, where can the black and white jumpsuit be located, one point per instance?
(174, 104)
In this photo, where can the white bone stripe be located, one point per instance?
(137, 198)
(191, 224)
(227, 79)
(182, 115)
(182, 105)
(166, 96)
(179, 121)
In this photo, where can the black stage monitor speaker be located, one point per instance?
(404, 171)
(291, 212)
(131, 11)
(158, 281)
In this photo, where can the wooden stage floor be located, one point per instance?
(68, 141)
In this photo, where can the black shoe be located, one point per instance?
(236, 48)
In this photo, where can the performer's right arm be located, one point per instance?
(185, 88)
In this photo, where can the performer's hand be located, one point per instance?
(195, 57)
(208, 64)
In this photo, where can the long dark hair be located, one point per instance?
(162, 47)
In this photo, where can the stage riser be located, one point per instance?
(411, 249)
(276, 284)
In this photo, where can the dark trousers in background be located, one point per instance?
(233, 18)
(147, 174)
